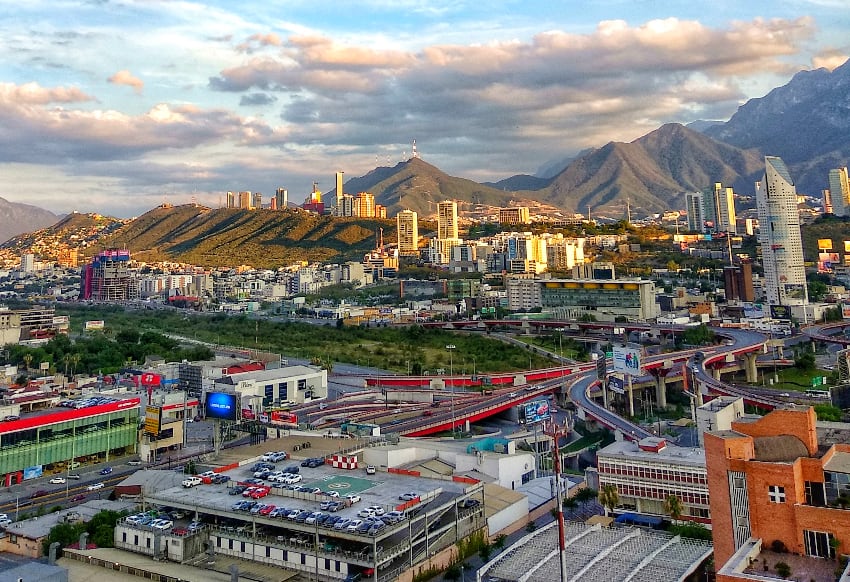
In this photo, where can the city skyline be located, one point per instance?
(118, 107)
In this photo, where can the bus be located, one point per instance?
(825, 394)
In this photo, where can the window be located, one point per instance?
(776, 494)
(699, 512)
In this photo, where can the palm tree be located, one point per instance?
(673, 507)
(609, 497)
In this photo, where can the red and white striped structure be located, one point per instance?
(344, 461)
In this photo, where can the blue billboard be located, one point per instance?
(536, 411)
(222, 405)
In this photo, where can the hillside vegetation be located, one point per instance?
(264, 239)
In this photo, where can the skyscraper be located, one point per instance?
(282, 197)
(722, 206)
(231, 200)
(695, 205)
(447, 220)
(339, 192)
(257, 202)
(839, 190)
(364, 205)
(245, 200)
(407, 225)
(779, 235)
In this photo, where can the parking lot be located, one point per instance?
(342, 484)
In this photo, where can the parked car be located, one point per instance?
(469, 503)
(326, 505)
(135, 462)
(409, 496)
(370, 469)
(353, 525)
(162, 524)
(313, 517)
(180, 531)
(366, 512)
(377, 510)
(192, 482)
(292, 469)
(334, 494)
(268, 509)
(392, 517)
(302, 516)
(376, 528)
(342, 524)
(352, 498)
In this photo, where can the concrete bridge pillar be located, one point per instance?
(715, 370)
(661, 389)
(751, 370)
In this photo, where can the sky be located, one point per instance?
(116, 106)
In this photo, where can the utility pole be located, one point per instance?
(556, 431)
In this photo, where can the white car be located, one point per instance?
(95, 486)
(333, 494)
(292, 479)
(366, 512)
(352, 498)
(57, 481)
(377, 510)
(370, 469)
(410, 496)
(353, 525)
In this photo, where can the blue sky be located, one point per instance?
(117, 106)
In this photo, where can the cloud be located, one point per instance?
(829, 59)
(34, 94)
(258, 41)
(256, 99)
(126, 78)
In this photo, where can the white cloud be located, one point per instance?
(124, 77)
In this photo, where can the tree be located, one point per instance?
(609, 497)
(500, 540)
(585, 494)
(817, 291)
(673, 507)
(452, 572)
(485, 551)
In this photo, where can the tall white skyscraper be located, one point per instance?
(695, 205)
(722, 209)
(779, 235)
(839, 191)
(407, 225)
(339, 192)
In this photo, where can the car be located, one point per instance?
(74, 476)
(314, 490)
(511, 394)
(180, 531)
(12, 417)
(135, 519)
(218, 479)
(326, 505)
(353, 525)
(293, 479)
(268, 509)
(370, 469)
(303, 515)
(292, 469)
(194, 525)
(95, 486)
(366, 512)
(257, 508)
(409, 496)
(259, 492)
(162, 524)
(469, 503)
(337, 505)
(392, 517)
(58, 481)
(342, 524)
(106, 471)
(365, 526)
(78, 497)
(278, 512)
(253, 481)
(377, 510)
(334, 494)
(134, 463)
(207, 474)
(190, 482)
(236, 506)
(313, 517)
(39, 493)
(262, 473)
(376, 527)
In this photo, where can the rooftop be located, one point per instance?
(38, 527)
(671, 453)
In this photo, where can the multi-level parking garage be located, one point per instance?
(441, 512)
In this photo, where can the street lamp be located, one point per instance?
(452, 348)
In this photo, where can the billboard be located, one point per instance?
(627, 359)
(615, 384)
(847, 247)
(222, 405)
(33, 472)
(825, 244)
(536, 410)
(780, 312)
(150, 379)
(845, 310)
(795, 291)
(153, 420)
(94, 325)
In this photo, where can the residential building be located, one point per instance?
(648, 472)
(772, 485)
(839, 190)
(245, 200)
(447, 225)
(718, 414)
(721, 210)
(27, 263)
(364, 205)
(281, 197)
(523, 293)
(231, 200)
(779, 236)
(108, 277)
(695, 206)
(257, 201)
(514, 215)
(339, 192)
(738, 282)
(563, 254)
(826, 195)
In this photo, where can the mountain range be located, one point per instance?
(17, 218)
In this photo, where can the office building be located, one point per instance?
(647, 473)
(339, 192)
(738, 282)
(407, 226)
(603, 299)
(779, 236)
(108, 277)
(281, 197)
(695, 206)
(245, 200)
(257, 202)
(772, 485)
(839, 191)
(447, 227)
(515, 215)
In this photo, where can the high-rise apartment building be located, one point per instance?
(827, 201)
(281, 196)
(347, 206)
(779, 235)
(839, 190)
(738, 282)
(407, 226)
(231, 200)
(721, 210)
(447, 227)
(695, 206)
(339, 192)
(245, 200)
(108, 277)
(27, 263)
(364, 205)
(257, 202)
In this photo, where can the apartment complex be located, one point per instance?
(407, 227)
(108, 277)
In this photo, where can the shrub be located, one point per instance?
(783, 569)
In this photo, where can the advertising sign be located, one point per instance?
(754, 311)
(825, 244)
(150, 379)
(153, 420)
(94, 325)
(795, 291)
(847, 247)
(537, 410)
(33, 472)
(616, 384)
(780, 312)
(627, 359)
(845, 310)
(222, 405)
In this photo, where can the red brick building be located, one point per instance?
(770, 482)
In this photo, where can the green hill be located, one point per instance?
(265, 239)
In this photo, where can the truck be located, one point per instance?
(192, 482)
